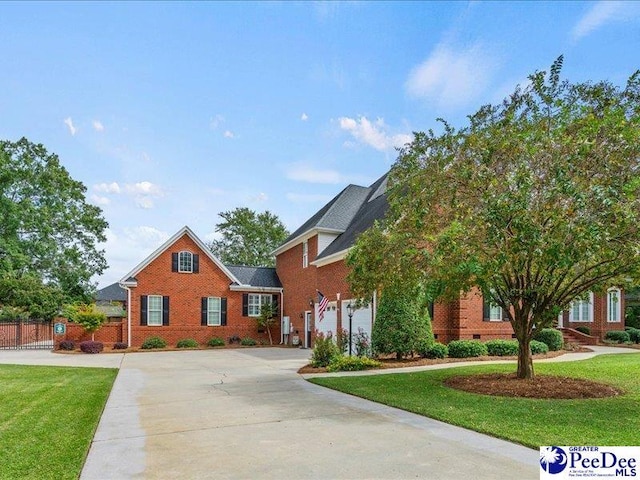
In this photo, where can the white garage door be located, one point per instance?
(330, 321)
(361, 320)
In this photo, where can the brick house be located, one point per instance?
(312, 259)
(183, 291)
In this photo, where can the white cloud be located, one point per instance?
(260, 197)
(307, 197)
(375, 134)
(98, 200)
(216, 121)
(69, 123)
(304, 117)
(304, 172)
(452, 78)
(229, 134)
(112, 187)
(98, 126)
(144, 202)
(144, 188)
(601, 13)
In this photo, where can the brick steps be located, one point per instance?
(574, 336)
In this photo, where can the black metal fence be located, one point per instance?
(26, 334)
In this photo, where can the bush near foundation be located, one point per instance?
(502, 348)
(617, 336)
(538, 347)
(634, 334)
(120, 346)
(585, 330)
(67, 345)
(91, 347)
(187, 343)
(433, 350)
(216, 342)
(550, 336)
(342, 363)
(153, 342)
(467, 349)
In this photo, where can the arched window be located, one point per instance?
(582, 310)
(185, 262)
(613, 305)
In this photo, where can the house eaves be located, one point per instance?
(304, 236)
(334, 257)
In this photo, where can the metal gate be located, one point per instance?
(26, 334)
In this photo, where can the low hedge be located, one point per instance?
(91, 347)
(634, 334)
(550, 336)
(538, 347)
(216, 342)
(120, 346)
(502, 348)
(618, 336)
(248, 342)
(434, 350)
(342, 363)
(67, 345)
(467, 349)
(153, 342)
(187, 343)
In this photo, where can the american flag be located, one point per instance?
(322, 305)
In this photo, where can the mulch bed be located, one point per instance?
(541, 386)
(392, 362)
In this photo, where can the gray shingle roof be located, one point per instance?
(373, 208)
(338, 213)
(256, 276)
(111, 293)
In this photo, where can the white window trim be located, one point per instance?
(261, 301)
(590, 319)
(211, 312)
(305, 254)
(149, 301)
(492, 308)
(180, 269)
(618, 293)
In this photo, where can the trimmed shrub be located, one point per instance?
(248, 342)
(361, 343)
(342, 340)
(538, 347)
(634, 334)
(187, 343)
(434, 350)
(550, 336)
(67, 345)
(585, 330)
(467, 348)
(351, 364)
(91, 347)
(120, 346)
(400, 327)
(502, 348)
(617, 336)
(324, 350)
(216, 342)
(154, 342)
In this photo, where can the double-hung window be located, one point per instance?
(613, 305)
(305, 254)
(255, 302)
(214, 310)
(154, 310)
(582, 310)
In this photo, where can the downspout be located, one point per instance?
(282, 316)
(128, 316)
(375, 306)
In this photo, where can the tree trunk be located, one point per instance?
(525, 362)
(269, 332)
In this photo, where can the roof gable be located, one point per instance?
(265, 277)
(113, 292)
(129, 277)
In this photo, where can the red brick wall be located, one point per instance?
(109, 333)
(600, 326)
(299, 283)
(185, 291)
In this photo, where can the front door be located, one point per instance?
(307, 329)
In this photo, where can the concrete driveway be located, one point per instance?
(246, 414)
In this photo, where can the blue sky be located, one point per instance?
(170, 113)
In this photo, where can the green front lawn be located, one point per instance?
(608, 421)
(48, 416)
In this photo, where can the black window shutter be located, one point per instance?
(486, 312)
(203, 315)
(505, 315)
(143, 309)
(245, 304)
(174, 262)
(223, 311)
(165, 311)
(431, 309)
(196, 263)
(274, 302)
